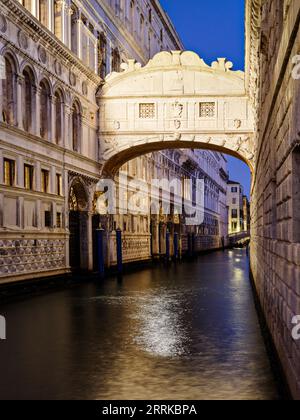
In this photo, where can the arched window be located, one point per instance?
(58, 117)
(28, 99)
(9, 85)
(45, 110)
(43, 12)
(76, 127)
(116, 60)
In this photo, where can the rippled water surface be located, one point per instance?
(189, 331)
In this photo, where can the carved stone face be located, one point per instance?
(237, 123)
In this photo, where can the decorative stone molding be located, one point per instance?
(42, 53)
(23, 40)
(58, 67)
(20, 256)
(175, 59)
(3, 24)
(182, 101)
(72, 78)
(84, 88)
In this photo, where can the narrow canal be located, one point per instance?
(189, 331)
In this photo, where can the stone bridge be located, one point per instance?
(175, 101)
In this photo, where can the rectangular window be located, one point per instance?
(234, 190)
(28, 177)
(234, 213)
(48, 219)
(234, 201)
(147, 111)
(58, 184)
(207, 109)
(9, 172)
(44, 181)
(58, 220)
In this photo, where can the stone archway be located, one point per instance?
(176, 101)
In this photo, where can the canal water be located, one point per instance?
(189, 331)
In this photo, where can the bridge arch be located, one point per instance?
(176, 101)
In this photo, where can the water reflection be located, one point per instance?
(161, 331)
(189, 331)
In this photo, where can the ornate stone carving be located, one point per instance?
(23, 40)
(58, 67)
(237, 123)
(84, 88)
(72, 78)
(3, 24)
(177, 110)
(117, 125)
(222, 65)
(175, 59)
(177, 124)
(42, 53)
(29, 255)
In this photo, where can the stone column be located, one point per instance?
(53, 180)
(37, 128)
(127, 10)
(1, 100)
(69, 26)
(20, 82)
(51, 15)
(53, 119)
(67, 140)
(38, 214)
(79, 32)
(64, 28)
(37, 169)
(34, 8)
(96, 57)
(20, 172)
(53, 211)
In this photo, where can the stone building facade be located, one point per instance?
(235, 207)
(272, 59)
(55, 55)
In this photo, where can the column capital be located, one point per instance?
(53, 99)
(37, 89)
(20, 78)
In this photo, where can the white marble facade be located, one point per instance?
(55, 55)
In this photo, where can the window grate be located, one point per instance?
(207, 109)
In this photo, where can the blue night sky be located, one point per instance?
(213, 29)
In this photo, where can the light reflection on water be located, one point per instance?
(160, 331)
(189, 331)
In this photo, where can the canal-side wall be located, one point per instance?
(275, 243)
